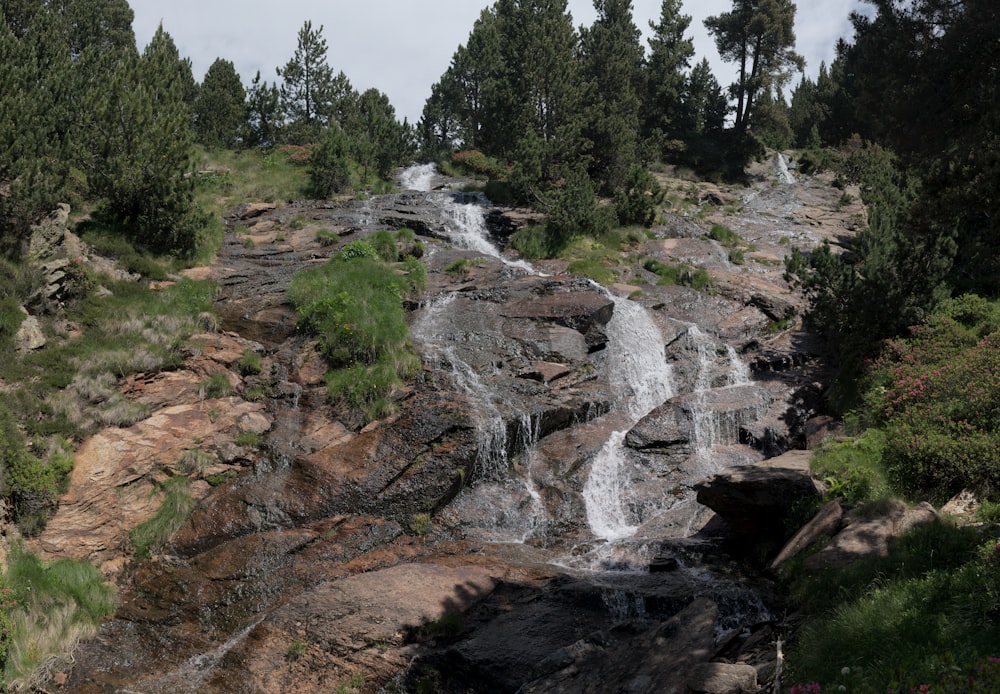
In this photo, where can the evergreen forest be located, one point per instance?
(572, 122)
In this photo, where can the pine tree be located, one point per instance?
(379, 141)
(704, 105)
(759, 36)
(139, 147)
(307, 89)
(220, 109)
(665, 79)
(540, 86)
(263, 114)
(36, 113)
(613, 60)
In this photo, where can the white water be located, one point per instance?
(420, 178)
(784, 175)
(641, 380)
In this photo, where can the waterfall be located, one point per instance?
(419, 178)
(641, 379)
(784, 175)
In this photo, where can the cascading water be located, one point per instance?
(784, 175)
(641, 379)
(419, 178)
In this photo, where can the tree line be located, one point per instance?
(85, 115)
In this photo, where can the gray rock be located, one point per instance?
(47, 236)
(29, 336)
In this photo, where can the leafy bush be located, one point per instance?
(32, 484)
(938, 394)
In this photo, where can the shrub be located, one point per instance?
(724, 235)
(938, 394)
(385, 246)
(639, 201)
(248, 439)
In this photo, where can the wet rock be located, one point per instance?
(707, 418)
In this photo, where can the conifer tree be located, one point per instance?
(759, 36)
(704, 105)
(139, 146)
(307, 88)
(220, 109)
(665, 79)
(35, 117)
(263, 114)
(380, 142)
(613, 60)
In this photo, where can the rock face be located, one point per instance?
(449, 546)
(754, 500)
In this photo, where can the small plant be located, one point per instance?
(297, 223)
(736, 257)
(216, 480)
(255, 393)
(279, 237)
(249, 364)
(213, 415)
(194, 461)
(248, 439)
(248, 243)
(296, 649)
(325, 237)
(420, 523)
(215, 386)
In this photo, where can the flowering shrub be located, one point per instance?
(938, 394)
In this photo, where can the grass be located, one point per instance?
(215, 386)
(57, 605)
(353, 306)
(248, 439)
(927, 610)
(852, 468)
(679, 274)
(151, 535)
(249, 364)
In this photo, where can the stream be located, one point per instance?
(538, 467)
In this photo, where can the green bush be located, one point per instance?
(353, 304)
(937, 393)
(684, 275)
(724, 235)
(385, 245)
(215, 386)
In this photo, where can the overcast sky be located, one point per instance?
(402, 47)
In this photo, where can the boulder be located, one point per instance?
(29, 336)
(723, 678)
(825, 523)
(754, 500)
(866, 537)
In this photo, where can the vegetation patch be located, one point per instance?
(353, 305)
(47, 608)
(150, 536)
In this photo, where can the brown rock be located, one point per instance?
(723, 678)
(870, 537)
(825, 523)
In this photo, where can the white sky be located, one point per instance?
(402, 47)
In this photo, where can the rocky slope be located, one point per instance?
(451, 547)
